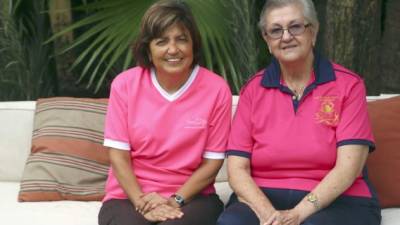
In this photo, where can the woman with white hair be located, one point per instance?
(301, 134)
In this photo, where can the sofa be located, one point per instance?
(17, 121)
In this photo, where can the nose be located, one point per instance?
(286, 36)
(172, 48)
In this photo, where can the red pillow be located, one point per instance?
(384, 163)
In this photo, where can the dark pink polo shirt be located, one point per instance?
(292, 144)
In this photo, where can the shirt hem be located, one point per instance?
(116, 144)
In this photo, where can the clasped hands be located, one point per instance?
(282, 217)
(156, 208)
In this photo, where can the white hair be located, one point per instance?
(309, 12)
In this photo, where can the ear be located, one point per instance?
(315, 33)
(265, 37)
(149, 55)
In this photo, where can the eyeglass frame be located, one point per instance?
(288, 30)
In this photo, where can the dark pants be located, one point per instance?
(345, 210)
(202, 210)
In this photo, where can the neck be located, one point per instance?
(171, 83)
(297, 71)
(297, 74)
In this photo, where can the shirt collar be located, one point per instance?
(322, 67)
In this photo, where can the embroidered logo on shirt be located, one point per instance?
(195, 123)
(327, 113)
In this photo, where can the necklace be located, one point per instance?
(296, 87)
(297, 93)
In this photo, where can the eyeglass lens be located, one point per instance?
(294, 29)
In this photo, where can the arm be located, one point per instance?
(247, 191)
(122, 167)
(203, 176)
(218, 131)
(350, 160)
(349, 164)
(200, 179)
(117, 138)
(121, 164)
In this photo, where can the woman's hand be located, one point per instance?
(268, 220)
(248, 192)
(290, 217)
(284, 217)
(149, 202)
(266, 216)
(139, 203)
(162, 213)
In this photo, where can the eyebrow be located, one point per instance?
(165, 37)
(290, 22)
(183, 35)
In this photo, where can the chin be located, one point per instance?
(176, 71)
(290, 58)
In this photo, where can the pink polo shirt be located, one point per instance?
(292, 144)
(167, 135)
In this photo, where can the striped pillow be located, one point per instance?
(67, 160)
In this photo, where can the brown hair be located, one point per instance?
(159, 17)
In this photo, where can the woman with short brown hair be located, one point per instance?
(167, 125)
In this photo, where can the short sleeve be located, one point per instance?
(240, 139)
(354, 126)
(116, 128)
(219, 126)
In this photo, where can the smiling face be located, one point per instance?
(289, 48)
(172, 52)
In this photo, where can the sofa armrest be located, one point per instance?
(16, 119)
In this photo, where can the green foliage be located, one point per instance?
(113, 25)
(245, 37)
(26, 68)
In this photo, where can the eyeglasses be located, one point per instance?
(294, 30)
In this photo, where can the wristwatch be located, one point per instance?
(313, 199)
(178, 199)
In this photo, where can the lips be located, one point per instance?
(174, 59)
(288, 47)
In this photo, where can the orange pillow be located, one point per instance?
(384, 163)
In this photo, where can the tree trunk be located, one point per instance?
(351, 37)
(390, 53)
(60, 18)
(3, 9)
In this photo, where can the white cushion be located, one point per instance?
(16, 124)
(391, 216)
(85, 213)
(222, 175)
(44, 213)
(223, 190)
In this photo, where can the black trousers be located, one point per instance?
(202, 210)
(345, 210)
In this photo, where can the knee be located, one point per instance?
(238, 214)
(308, 223)
(230, 218)
(225, 219)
